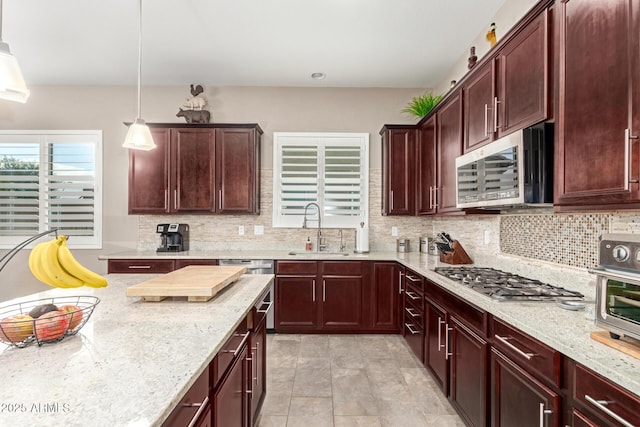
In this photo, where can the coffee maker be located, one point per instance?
(173, 237)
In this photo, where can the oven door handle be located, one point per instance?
(615, 274)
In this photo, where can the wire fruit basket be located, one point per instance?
(45, 320)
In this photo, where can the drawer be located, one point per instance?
(414, 315)
(193, 405)
(415, 280)
(140, 265)
(306, 268)
(342, 268)
(227, 354)
(413, 335)
(468, 314)
(260, 309)
(527, 351)
(604, 399)
(413, 293)
(185, 262)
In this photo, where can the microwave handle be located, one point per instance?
(614, 275)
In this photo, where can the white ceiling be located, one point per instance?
(357, 43)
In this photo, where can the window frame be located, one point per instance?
(43, 138)
(322, 140)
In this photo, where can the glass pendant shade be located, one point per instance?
(12, 86)
(139, 137)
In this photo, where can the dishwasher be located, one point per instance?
(258, 266)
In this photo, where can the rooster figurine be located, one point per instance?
(491, 34)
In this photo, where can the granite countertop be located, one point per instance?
(566, 331)
(129, 365)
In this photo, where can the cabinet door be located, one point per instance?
(449, 146)
(517, 398)
(595, 83)
(238, 170)
(426, 170)
(469, 357)
(342, 303)
(149, 176)
(398, 175)
(435, 356)
(230, 398)
(578, 419)
(258, 368)
(193, 155)
(385, 295)
(478, 99)
(295, 303)
(523, 71)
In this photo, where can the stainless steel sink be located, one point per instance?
(315, 253)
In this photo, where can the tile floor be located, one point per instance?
(349, 380)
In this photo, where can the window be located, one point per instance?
(330, 169)
(51, 179)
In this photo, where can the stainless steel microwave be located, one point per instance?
(515, 170)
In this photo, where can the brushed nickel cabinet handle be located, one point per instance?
(408, 325)
(440, 323)
(435, 197)
(412, 295)
(324, 290)
(313, 295)
(505, 341)
(391, 204)
(447, 355)
(430, 197)
(628, 157)
(413, 279)
(486, 119)
(495, 114)
(543, 412)
(400, 282)
(201, 407)
(412, 312)
(602, 405)
(139, 267)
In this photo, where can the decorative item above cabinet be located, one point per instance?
(197, 169)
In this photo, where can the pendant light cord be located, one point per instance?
(139, 55)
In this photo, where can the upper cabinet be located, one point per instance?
(448, 147)
(510, 91)
(197, 169)
(398, 169)
(598, 105)
(426, 158)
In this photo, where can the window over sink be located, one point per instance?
(51, 179)
(330, 169)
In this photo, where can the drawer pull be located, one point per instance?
(447, 355)
(412, 312)
(139, 267)
(400, 282)
(413, 279)
(201, 407)
(440, 323)
(505, 341)
(244, 340)
(602, 405)
(412, 295)
(408, 325)
(266, 310)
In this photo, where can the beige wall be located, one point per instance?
(275, 109)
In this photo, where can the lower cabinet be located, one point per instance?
(518, 398)
(386, 291)
(153, 265)
(230, 395)
(456, 352)
(313, 296)
(258, 359)
(194, 409)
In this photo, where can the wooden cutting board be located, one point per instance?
(624, 344)
(196, 282)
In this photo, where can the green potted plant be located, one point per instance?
(421, 105)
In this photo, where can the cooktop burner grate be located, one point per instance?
(502, 286)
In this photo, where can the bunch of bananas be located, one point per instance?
(52, 263)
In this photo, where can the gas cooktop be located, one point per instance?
(503, 286)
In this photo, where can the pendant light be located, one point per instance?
(139, 136)
(12, 86)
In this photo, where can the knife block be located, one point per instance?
(458, 256)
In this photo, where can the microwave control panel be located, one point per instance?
(620, 251)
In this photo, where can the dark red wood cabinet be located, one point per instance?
(258, 362)
(197, 169)
(426, 171)
(320, 296)
(519, 398)
(398, 169)
(230, 396)
(436, 359)
(449, 146)
(153, 265)
(599, 106)
(511, 91)
(385, 296)
(194, 408)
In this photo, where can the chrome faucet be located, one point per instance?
(319, 243)
(343, 244)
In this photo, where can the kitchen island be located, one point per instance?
(129, 365)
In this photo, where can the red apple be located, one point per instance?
(75, 315)
(16, 328)
(52, 325)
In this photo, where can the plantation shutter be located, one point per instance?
(328, 169)
(19, 188)
(51, 179)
